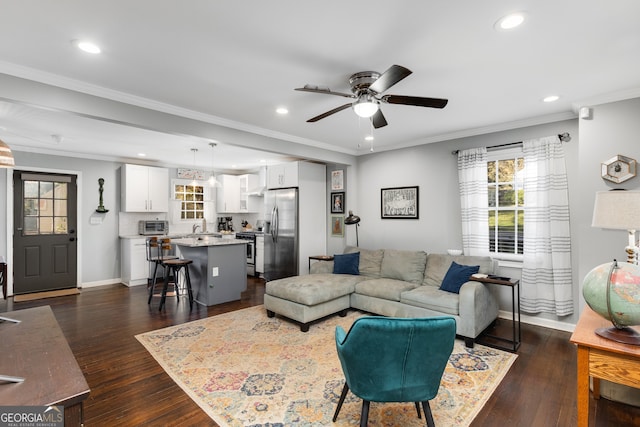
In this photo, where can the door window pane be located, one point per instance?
(45, 207)
(31, 189)
(46, 190)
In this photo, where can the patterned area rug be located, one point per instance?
(244, 369)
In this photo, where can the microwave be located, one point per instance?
(151, 227)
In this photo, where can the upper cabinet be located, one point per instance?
(283, 175)
(233, 197)
(144, 189)
(248, 203)
(228, 195)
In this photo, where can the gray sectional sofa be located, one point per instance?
(387, 282)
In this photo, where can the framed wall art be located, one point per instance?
(337, 202)
(337, 225)
(399, 203)
(337, 180)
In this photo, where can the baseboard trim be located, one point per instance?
(101, 283)
(539, 321)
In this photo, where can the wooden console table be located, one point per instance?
(601, 358)
(36, 350)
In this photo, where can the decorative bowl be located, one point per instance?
(454, 252)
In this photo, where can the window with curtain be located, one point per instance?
(526, 196)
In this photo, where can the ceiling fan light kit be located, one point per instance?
(366, 86)
(365, 106)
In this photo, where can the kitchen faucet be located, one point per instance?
(194, 228)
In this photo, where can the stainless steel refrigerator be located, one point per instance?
(281, 234)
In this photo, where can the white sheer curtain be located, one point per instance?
(474, 199)
(546, 284)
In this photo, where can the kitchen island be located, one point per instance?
(219, 269)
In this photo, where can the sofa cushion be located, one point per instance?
(432, 298)
(456, 276)
(346, 263)
(389, 289)
(370, 260)
(438, 265)
(403, 265)
(312, 289)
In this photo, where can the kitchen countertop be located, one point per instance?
(195, 242)
(170, 235)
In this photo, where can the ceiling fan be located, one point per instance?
(367, 88)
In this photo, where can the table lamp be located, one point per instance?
(353, 219)
(613, 289)
(619, 210)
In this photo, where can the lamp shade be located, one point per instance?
(352, 219)
(617, 209)
(6, 156)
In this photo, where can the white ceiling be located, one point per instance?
(236, 62)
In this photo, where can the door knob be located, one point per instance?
(72, 239)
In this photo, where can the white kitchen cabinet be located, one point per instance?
(259, 254)
(283, 175)
(228, 195)
(248, 203)
(144, 189)
(233, 197)
(133, 261)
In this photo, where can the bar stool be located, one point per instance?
(158, 253)
(174, 266)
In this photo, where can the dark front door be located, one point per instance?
(44, 235)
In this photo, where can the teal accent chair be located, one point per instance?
(388, 359)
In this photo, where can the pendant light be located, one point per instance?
(194, 182)
(213, 182)
(6, 156)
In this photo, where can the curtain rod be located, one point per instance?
(564, 137)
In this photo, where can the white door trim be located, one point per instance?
(9, 216)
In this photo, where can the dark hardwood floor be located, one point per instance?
(128, 388)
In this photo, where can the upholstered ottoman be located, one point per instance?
(310, 297)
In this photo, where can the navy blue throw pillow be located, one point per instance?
(456, 276)
(346, 263)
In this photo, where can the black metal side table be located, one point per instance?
(320, 258)
(515, 340)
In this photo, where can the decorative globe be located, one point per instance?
(624, 294)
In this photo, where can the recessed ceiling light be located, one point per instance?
(551, 98)
(87, 46)
(368, 138)
(263, 161)
(510, 21)
(142, 155)
(234, 166)
(282, 110)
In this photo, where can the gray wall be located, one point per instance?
(614, 129)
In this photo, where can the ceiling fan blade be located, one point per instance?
(328, 113)
(326, 91)
(378, 119)
(393, 75)
(415, 100)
